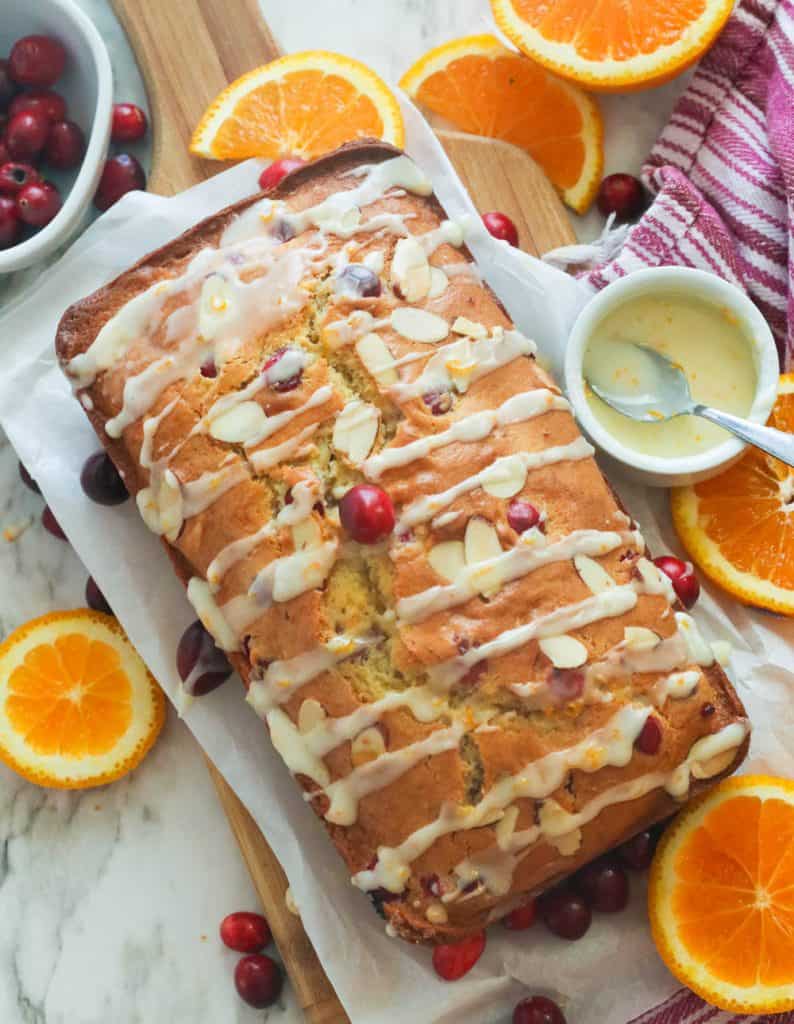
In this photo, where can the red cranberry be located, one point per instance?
(95, 599)
(14, 177)
(51, 524)
(28, 480)
(101, 481)
(279, 169)
(682, 574)
(285, 376)
(38, 203)
(604, 884)
(520, 918)
(36, 60)
(622, 195)
(50, 103)
(5, 156)
(538, 1010)
(122, 174)
(367, 513)
(650, 738)
(564, 913)
(209, 368)
(707, 710)
(201, 665)
(453, 961)
(356, 279)
(258, 980)
(245, 932)
(637, 852)
(26, 134)
(566, 684)
(7, 85)
(500, 226)
(522, 516)
(10, 224)
(438, 402)
(65, 145)
(129, 123)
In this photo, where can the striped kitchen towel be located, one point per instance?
(685, 1008)
(722, 171)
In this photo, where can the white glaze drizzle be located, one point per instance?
(212, 618)
(607, 604)
(281, 580)
(304, 494)
(529, 554)
(476, 427)
(612, 744)
(426, 507)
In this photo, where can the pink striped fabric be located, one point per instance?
(685, 1008)
(722, 171)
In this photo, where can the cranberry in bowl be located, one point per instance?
(84, 80)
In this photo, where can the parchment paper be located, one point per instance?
(607, 977)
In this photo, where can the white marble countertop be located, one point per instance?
(110, 900)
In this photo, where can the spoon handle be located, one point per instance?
(773, 442)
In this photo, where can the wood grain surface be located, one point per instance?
(188, 51)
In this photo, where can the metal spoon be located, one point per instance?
(671, 397)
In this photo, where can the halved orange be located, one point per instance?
(481, 87)
(613, 45)
(721, 895)
(78, 707)
(301, 105)
(738, 527)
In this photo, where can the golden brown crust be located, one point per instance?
(574, 496)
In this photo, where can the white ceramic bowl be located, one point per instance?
(87, 87)
(650, 469)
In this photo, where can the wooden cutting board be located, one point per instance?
(188, 52)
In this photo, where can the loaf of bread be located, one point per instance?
(383, 511)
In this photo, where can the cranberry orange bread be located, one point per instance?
(479, 699)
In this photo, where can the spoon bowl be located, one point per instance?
(668, 395)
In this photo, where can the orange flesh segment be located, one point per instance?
(734, 893)
(70, 697)
(616, 29)
(320, 108)
(484, 96)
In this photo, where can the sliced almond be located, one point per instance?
(438, 282)
(215, 305)
(593, 575)
(639, 638)
(376, 357)
(306, 534)
(505, 478)
(481, 543)
(436, 913)
(470, 328)
(410, 271)
(564, 651)
(311, 714)
(419, 325)
(721, 650)
(355, 430)
(367, 746)
(506, 827)
(569, 843)
(448, 559)
(241, 423)
(713, 766)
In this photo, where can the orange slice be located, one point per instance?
(481, 87)
(78, 707)
(739, 526)
(612, 45)
(301, 105)
(721, 895)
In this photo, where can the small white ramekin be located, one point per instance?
(651, 469)
(87, 87)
